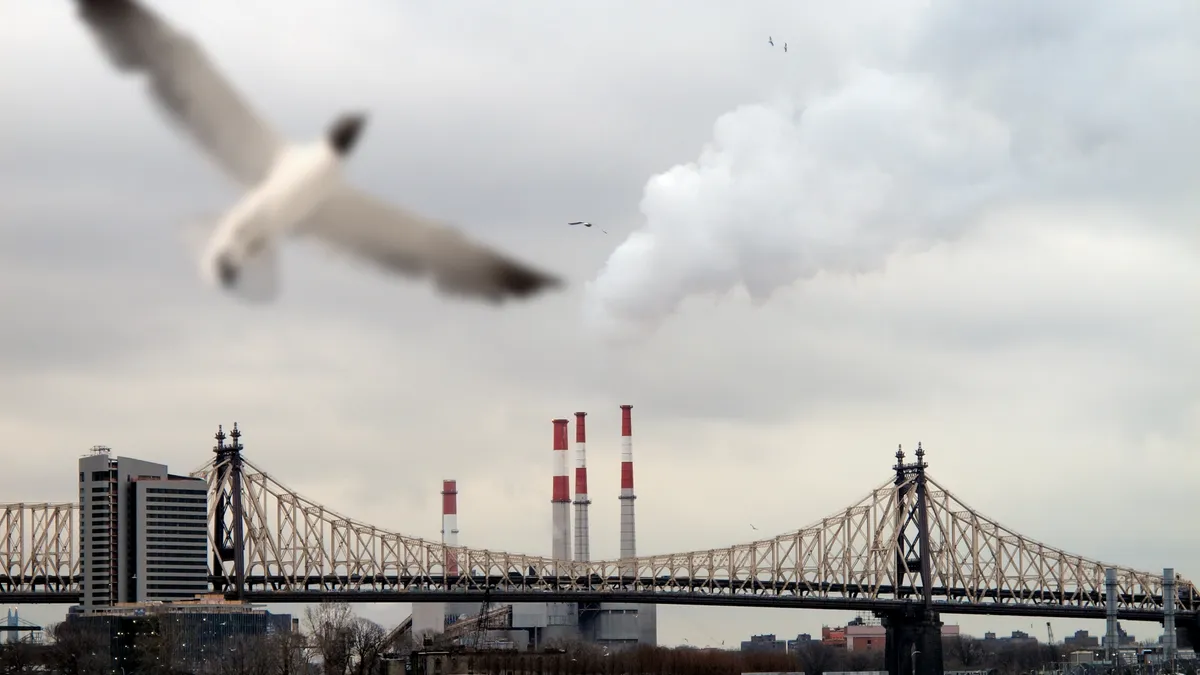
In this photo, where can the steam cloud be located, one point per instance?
(1034, 102)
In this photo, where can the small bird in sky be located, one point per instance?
(753, 527)
(586, 224)
(770, 40)
(291, 189)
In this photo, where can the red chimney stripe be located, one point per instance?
(560, 434)
(562, 488)
(626, 421)
(580, 481)
(626, 475)
(580, 426)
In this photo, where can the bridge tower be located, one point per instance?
(228, 536)
(914, 633)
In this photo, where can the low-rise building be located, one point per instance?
(764, 643)
(194, 629)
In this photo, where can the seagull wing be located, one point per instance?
(186, 84)
(402, 242)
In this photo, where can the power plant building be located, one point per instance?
(612, 624)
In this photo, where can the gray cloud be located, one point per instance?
(1031, 356)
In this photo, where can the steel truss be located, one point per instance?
(872, 555)
(37, 549)
(866, 556)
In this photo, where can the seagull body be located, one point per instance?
(291, 189)
(299, 182)
(585, 224)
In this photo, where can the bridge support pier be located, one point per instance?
(1187, 633)
(914, 642)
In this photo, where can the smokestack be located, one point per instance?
(582, 546)
(628, 529)
(1112, 641)
(450, 522)
(561, 501)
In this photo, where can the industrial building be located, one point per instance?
(143, 532)
(534, 625)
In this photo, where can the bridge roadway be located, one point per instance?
(409, 590)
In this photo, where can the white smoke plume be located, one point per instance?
(1029, 102)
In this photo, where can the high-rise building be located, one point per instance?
(143, 531)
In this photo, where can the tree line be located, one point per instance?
(335, 641)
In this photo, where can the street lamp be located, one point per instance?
(914, 659)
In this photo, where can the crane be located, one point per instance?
(483, 621)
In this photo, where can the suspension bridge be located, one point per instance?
(909, 550)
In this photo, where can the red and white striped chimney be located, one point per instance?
(450, 522)
(582, 546)
(628, 528)
(560, 503)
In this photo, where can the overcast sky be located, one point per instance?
(988, 246)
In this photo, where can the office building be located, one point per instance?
(199, 628)
(143, 532)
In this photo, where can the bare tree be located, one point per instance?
(817, 657)
(240, 655)
(160, 645)
(331, 626)
(77, 648)
(16, 658)
(367, 644)
(964, 651)
(288, 653)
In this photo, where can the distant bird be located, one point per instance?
(291, 188)
(770, 40)
(586, 224)
(785, 46)
(753, 527)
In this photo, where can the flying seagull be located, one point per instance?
(585, 224)
(291, 189)
(770, 40)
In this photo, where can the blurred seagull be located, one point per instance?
(290, 188)
(586, 224)
(770, 40)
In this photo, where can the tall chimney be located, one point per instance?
(628, 529)
(582, 546)
(561, 501)
(450, 522)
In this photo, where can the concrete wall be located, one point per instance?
(530, 615)
(428, 617)
(626, 623)
(648, 625)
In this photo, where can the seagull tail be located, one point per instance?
(257, 280)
